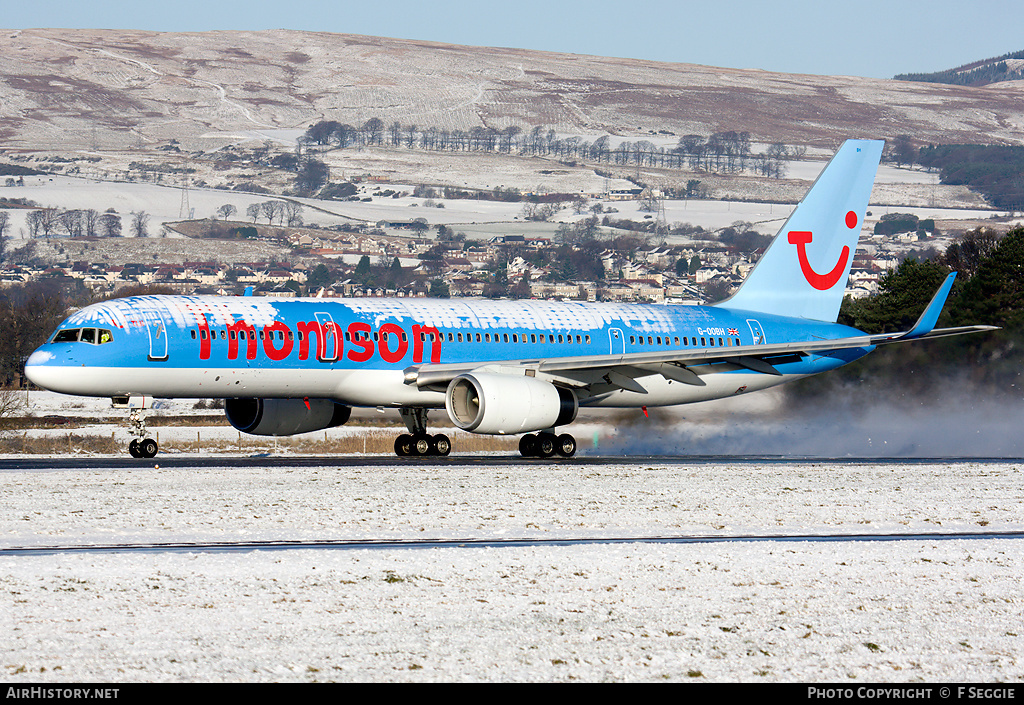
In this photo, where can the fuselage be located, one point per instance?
(355, 351)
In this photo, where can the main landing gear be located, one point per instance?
(418, 442)
(546, 444)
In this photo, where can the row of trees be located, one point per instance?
(992, 170)
(980, 73)
(727, 152)
(30, 312)
(58, 222)
(284, 212)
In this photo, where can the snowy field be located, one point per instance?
(856, 611)
(164, 203)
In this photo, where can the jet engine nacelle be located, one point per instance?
(485, 402)
(284, 417)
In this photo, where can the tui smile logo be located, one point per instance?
(821, 282)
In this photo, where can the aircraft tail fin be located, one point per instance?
(804, 271)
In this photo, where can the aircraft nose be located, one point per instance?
(43, 370)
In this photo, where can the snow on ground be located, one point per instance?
(916, 610)
(164, 203)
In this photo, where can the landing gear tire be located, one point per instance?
(422, 444)
(565, 445)
(546, 444)
(528, 446)
(403, 445)
(146, 448)
(442, 444)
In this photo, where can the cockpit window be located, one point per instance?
(94, 336)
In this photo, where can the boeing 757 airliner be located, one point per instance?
(285, 367)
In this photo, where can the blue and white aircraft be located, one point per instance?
(293, 366)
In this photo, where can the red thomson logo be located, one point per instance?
(821, 282)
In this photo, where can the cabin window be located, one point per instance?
(588, 339)
(487, 337)
(193, 334)
(515, 337)
(703, 343)
(720, 342)
(478, 338)
(533, 337)
(504, 337)
(676, 341)
(451, 338)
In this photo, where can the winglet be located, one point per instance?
(931, 313)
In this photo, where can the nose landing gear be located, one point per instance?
(141, 446)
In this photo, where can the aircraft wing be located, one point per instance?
(686, 366)
(690, 364)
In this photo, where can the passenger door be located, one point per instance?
(157, 331)
(616, 341)
(332, 344)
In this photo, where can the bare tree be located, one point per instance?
(270, 210)
(70, 222)
(90, 222)
(140, 223)
(293, 213)
(226, 211)
(253, 211)
(110, 224)
(4, 237)
(33, 220)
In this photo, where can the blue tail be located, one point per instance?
(804, 271)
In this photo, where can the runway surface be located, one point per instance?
(377, 461)
(385, 544)
(192, 567)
